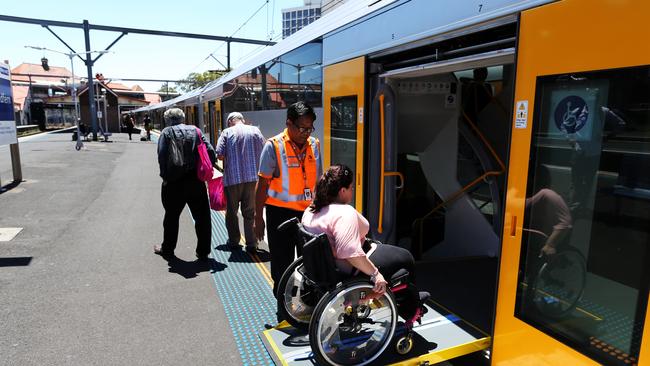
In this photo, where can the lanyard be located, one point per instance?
(301, 161)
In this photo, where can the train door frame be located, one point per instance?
(381, 130)
(345, 83)
(544, 51)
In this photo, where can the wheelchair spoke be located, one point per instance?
(352, 332)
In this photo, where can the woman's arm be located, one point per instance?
(363, 264)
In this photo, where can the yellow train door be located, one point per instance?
(343, 109)
(573, 280)
(218, 127)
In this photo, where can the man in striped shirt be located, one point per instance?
(240, 146)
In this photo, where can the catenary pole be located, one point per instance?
(90, 84)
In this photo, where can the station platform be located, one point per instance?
(89, 220)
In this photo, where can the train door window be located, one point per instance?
(585, 262)
(344, 131)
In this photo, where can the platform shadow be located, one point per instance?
(15, 261)
(193, 268)
(10, 186)
(237, 254)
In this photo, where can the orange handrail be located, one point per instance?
(380, 224)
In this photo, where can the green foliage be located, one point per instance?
(195, 80)
(165, 88)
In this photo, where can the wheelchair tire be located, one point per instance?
(559, 283)
(290, 304)
(341, 335)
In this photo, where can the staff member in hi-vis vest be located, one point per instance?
(290, 166)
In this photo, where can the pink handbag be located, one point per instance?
(217, 196)
(203, 165)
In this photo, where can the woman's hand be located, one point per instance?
(380, 284)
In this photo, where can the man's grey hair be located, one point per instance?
(233, 116)
(174, 116)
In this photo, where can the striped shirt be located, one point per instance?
(241, 147)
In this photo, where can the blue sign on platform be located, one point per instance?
(7, 122)
(6, 102)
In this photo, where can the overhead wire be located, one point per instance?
(270, 35)
(266, 2)
(258, 48)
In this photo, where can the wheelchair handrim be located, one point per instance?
(386, 338)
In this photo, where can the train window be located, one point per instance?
(585, 262)
(295, 76)
(344, 131)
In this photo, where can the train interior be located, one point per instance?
(452, 131)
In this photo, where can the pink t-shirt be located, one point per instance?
(345, 228)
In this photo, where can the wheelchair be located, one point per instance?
(348, 323)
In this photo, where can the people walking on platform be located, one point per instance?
(289, 169)
(147, 126)
(177, 154)
(240, 147)
(129, 123)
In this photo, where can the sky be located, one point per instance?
(138, 56)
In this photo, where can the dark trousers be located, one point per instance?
(390, 259)
(281, 245)
(175, 195)
(244, 194)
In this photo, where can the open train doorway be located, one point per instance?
(438, 138)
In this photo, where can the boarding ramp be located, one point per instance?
(440, 337)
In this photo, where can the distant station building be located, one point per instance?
(33, 86)
(43, 97)
(294, 19)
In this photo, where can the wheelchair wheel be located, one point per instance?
(296, 300)
(559, 284)
(346, 329)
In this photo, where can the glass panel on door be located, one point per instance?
(583, 276)
(344, 132)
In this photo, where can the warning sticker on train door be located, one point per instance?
(521, 120)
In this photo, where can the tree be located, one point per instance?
(165, 88)
(195, 80)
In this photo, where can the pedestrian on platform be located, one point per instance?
(177, 156)
(147, 126)
(129, 123)
(289, 169)
(240, 146)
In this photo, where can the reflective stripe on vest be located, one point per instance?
(287, 190)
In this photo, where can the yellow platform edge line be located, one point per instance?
(449, 353)
(275, 348)
(262, 268)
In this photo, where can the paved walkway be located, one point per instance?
(79, 284)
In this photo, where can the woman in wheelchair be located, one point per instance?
(354, 321)
(346, 229)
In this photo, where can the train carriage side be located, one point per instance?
(581, 141)
(440, 133)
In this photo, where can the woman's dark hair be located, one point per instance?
(328, 186)
(299, 109)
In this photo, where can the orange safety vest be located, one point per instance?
(288, 189)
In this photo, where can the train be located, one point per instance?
(469, 124)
